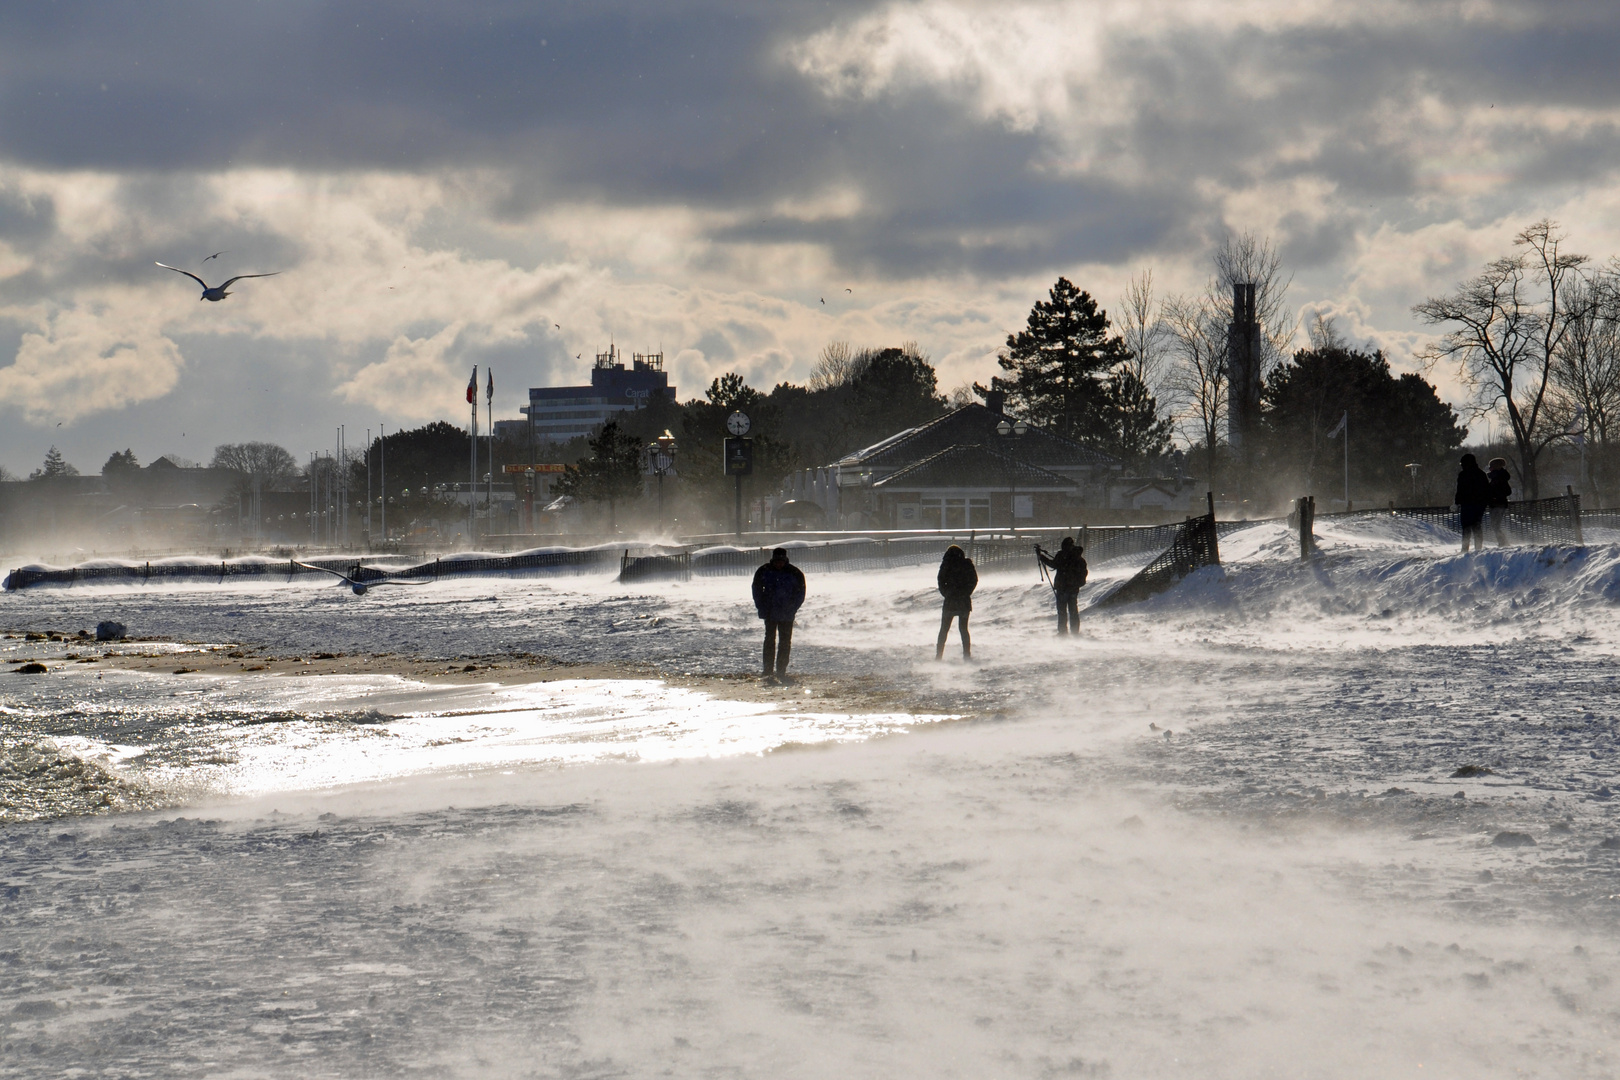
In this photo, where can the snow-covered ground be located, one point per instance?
(1220, 835)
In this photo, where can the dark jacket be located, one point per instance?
(1501, 486)
(1473, 487)
(957, 580)
(1068, 569)
(778, 593)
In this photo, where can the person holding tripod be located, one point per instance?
(1068, 576)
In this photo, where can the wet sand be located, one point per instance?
(861, 694)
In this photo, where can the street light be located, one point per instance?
(1413, 467)
(661, 456)
(1014, 430)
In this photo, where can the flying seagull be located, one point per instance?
(217, 254)
(351, 579)
(213, 292)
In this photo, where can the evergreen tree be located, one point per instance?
(120, 463)
(1393, 421)
(54, 468)
(1059, 365)
(610, 474)
(1129, 425)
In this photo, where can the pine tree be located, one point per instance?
(54, 468)
(1059, 364)
(1130, 426)
(120, 463)
(612, 471)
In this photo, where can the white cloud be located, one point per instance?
(79, 362)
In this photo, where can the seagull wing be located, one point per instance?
(397, 581)
(239, 277)
(322, 569)
(188, 274)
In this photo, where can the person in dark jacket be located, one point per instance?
(1068, 576)
(957, 580)
(1501, 487)
(778, 592)
(1473, 493)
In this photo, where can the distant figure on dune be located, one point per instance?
(1068, 577)
(778, 594)
(1473, 494)
(957, 580)
(1501, 487)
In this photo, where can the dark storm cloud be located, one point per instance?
(687, 102)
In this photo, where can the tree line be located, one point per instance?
(1535, 336)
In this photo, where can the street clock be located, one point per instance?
(738, 424)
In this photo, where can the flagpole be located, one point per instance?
(1347, 461)
(472, 488)
(489, 402)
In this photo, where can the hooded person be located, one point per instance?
(778, 593)
(1068, 577)
(1500, 490)
(1473, 495)
(957, 580)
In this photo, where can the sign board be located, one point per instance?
(535, 468)
(739, 457)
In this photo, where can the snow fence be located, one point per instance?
(853, 554)
(1558, 520)
(1196, 544)
(539, 561)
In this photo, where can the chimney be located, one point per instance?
(995, 400)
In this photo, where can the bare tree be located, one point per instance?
(1586, 378)
(1246, 259)
(1323, 333)
(265, 464)
(1508, 325)
(1198, 378)
(1142, 326)
(835, 366)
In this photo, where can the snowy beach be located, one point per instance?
(1342, 818)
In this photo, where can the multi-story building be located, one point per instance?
(556, 414)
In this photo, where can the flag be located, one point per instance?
(489, 390)
(1339, 427)
(1577, 427)
(472, 387)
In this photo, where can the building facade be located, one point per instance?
(556, 414)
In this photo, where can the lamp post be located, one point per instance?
(1413, 467)
(1014, 430)
(661, 456)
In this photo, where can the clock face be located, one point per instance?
(737, 423)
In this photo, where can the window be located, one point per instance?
(943, 512)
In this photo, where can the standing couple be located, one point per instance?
(958, 578)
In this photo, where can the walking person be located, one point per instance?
(778, 593)
(1501, 487)
(1473, 493)
(1068, 576)
(957, 580)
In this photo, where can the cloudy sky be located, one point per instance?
(732, 183)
